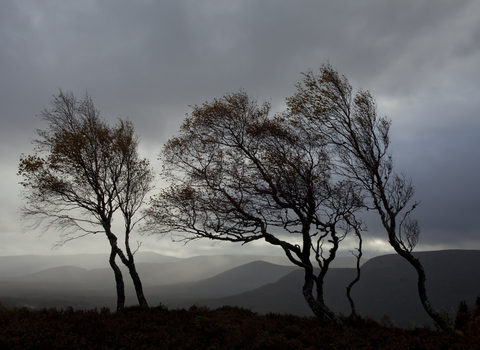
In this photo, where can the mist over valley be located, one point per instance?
(263, 284)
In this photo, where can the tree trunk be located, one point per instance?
(357, 278)
(118, 281)
(120, 285)
(130, 264)
(349, 289)
(317, 305)
(138, 285)
(422, 291)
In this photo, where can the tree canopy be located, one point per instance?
(237, 174)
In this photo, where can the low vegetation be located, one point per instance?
(201, 328)
(467, 320)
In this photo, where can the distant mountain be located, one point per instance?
(61, 274)
(390, 284)
(20, 265)
(154, 269)
(211, 270)
(192, 269)
(387, 287)
(285, 296)
(89, 288)
(237, 280)
(197, 268)
(176, 270)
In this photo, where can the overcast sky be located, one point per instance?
(150, 60)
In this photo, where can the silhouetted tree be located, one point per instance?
(239, 175)
(358, 140)
(358, 256)
(463, 317)
(88, 171)
(476, 308)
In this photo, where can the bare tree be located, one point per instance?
(358, 255)
(88, 171)
(325, 105)
(238, 175)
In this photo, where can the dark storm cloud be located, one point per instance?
(149, 60)
(443, 159)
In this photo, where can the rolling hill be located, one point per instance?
(387, 286)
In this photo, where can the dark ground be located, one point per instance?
(202, 328)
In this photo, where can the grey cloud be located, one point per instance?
(149, 60)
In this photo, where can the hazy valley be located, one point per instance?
(262, 283)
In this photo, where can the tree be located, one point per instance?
(358, 257)
(238, 175)
(358, 142)
(462, 318)
(134, 181)
(89, 171)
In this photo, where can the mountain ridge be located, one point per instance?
(387, 286)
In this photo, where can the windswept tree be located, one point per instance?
(238, 175)
(358, 140)
(82, 173)
(358, 255)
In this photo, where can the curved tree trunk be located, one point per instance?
(350, 286)
(317, 305)
(422, 291)
(120, 285)
(138, 285)
(130, 264)
(118, 281)
(349, 289)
